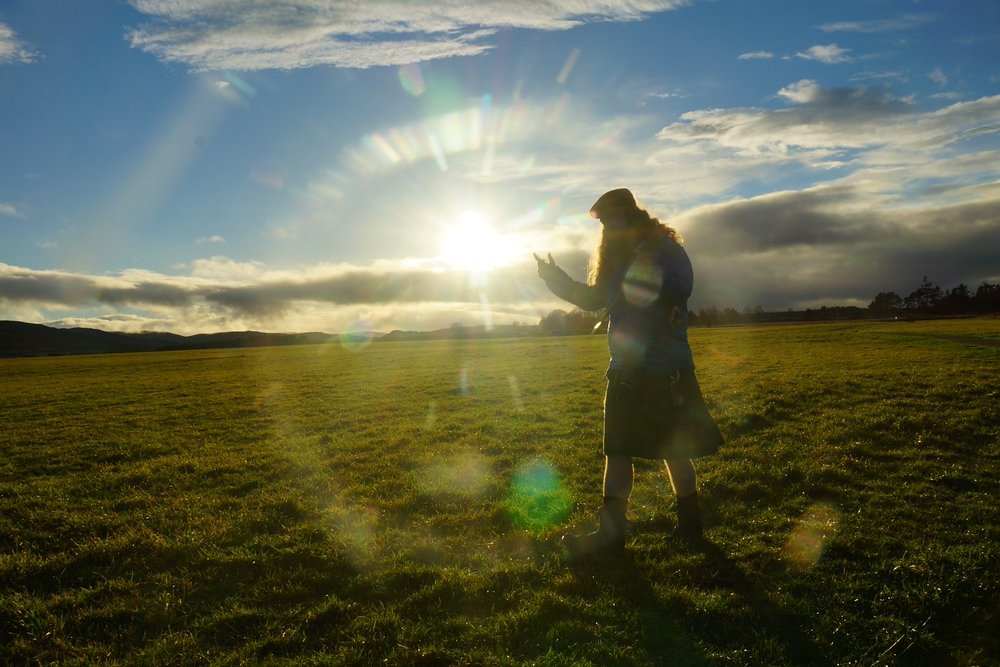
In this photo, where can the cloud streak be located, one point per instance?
(210, 35)
(906, 22)
(828, 54)
(756, 55)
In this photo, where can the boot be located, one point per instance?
(688, 519)
(610, 535)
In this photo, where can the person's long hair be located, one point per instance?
(609, 259)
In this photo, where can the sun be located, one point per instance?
(473, 244)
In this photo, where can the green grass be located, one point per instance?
(401, 503)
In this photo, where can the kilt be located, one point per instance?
(657, 416)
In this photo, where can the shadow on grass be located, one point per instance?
(667, 636)
(679, 632)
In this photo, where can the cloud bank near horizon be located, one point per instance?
(788, 249)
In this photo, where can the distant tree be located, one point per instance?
(924, 298)
(987, 299)
(958, 300)
(886, 303)
(554, 323)
(580, 321)
(708, 316)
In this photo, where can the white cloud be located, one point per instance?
(10, 210)
(756, 55)
(802, 92)
(215, 238)
(938, 76)
(216, 35)
(13, 50)
(829, 54)
(225, 269)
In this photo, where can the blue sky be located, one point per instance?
(200, 165)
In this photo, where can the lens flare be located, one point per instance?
(642, 281)
(810, 536)
(466, 473)
(431, 417)
(515, 393)
(357, 337)
(240, 84)
(567, 67)
(474, 128)
(463, 380)
(538, 498)
(355, 528)
(411, 78)
(625, 346)
(487, 314)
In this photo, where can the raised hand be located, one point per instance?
(544, 267)
(550, 272)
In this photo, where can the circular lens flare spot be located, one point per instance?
(810, 536)
(412, 79)
(538, 498)
(466, 473)
(626, 346)
(642, 282)
(358, 336)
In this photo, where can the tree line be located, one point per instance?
(930, 299)
(927, 300)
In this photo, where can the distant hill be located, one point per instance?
(21, 339)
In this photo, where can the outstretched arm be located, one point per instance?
(585, 297)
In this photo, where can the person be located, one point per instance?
(641, 276)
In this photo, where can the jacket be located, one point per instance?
(646, 306)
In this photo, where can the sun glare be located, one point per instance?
(473, 244)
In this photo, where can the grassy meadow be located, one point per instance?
(401, 503)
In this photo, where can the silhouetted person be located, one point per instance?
(653, 407)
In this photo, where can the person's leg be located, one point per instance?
(618, 477)
(684, 482)
(682, 476)
(610, 535)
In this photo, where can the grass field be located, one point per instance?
(401, 503)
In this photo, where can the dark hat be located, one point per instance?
(619, 198)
